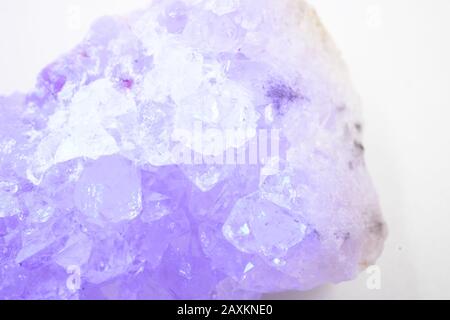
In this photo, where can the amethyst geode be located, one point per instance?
(195, 149)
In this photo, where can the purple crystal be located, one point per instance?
(197, 149)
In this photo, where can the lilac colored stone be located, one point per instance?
(198, 149)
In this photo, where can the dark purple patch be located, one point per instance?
(281, 95)
(127, 83)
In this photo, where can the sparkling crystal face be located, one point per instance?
(195, 149)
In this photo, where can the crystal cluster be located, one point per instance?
(119, 179)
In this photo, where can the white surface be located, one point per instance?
(398, 52)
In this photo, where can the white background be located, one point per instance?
(398, 52)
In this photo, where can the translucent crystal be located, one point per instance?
(196, 149)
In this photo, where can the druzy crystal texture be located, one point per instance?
(197, 149)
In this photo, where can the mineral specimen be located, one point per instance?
(195, 149)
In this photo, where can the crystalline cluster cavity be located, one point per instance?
(197, 149)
